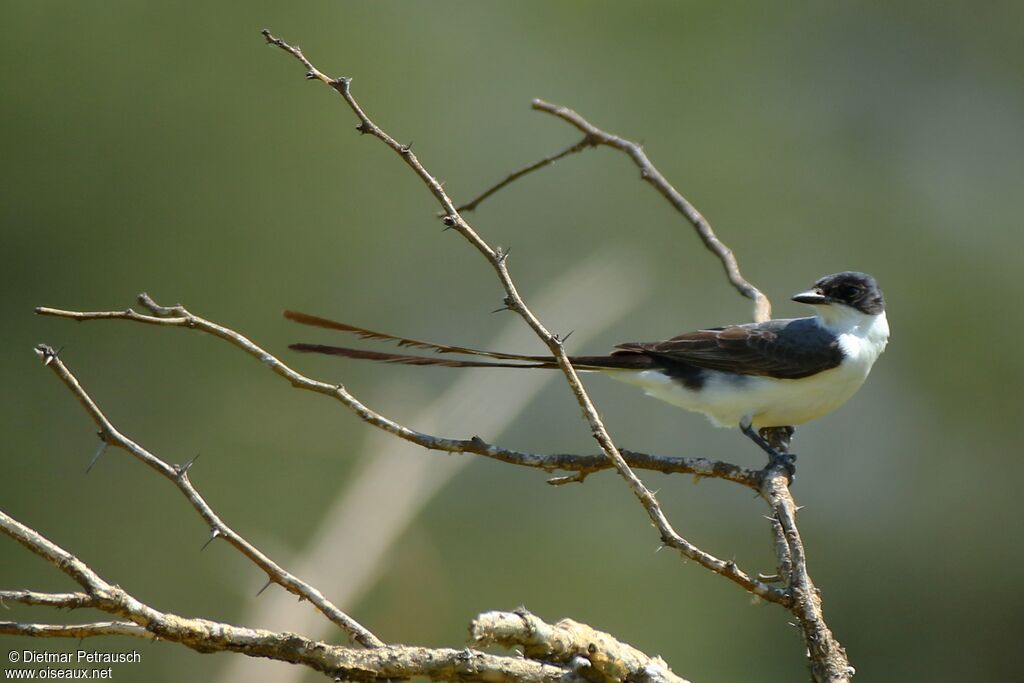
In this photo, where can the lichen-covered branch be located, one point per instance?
(385, 662)
(569, 642)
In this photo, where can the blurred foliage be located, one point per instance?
(162, 147)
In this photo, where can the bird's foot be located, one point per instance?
(775, 442)
(786, 461)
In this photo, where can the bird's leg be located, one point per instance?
(779, 437)
(775, 442)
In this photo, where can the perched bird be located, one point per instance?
(755, 376)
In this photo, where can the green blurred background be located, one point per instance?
(162, 147)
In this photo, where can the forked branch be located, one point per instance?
(593, 137)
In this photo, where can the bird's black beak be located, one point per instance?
(812, 297)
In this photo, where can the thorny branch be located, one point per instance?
(498, 259)
(178, 475)
(827, 658)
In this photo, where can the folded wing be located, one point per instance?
(784, 349)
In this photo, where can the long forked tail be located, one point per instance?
(620, 360)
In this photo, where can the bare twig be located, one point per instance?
(586, 142)
(498, 259)
(179, 476)
(594, 136)
(62, 600)
(649, 173)
(80, 573)
(91, 630)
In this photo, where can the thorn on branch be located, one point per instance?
(509, 305)
(182, 470)
(214, 533)
(270, 580)
(406, 149)
(99, 451)
(501, 255)
(363, 128)
(560, 339)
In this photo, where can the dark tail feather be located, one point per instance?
(411, 360)
(620, 360)
(615, 362)
(315, 321)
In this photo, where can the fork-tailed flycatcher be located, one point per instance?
(774, 374)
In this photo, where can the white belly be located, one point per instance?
(727, 399)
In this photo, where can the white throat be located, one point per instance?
(862, 336)
(840, 319)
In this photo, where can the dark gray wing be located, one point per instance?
(785, 349)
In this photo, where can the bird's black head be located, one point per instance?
(856, 290)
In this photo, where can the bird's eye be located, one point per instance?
(849, 293)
